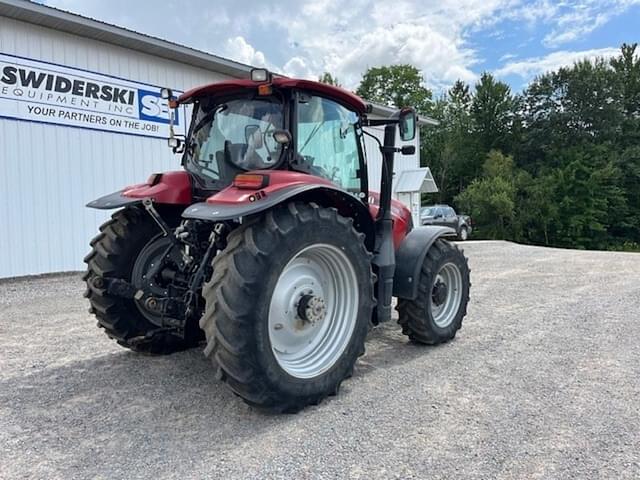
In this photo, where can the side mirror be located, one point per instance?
(166, 93)
(253, 135)
(175, 144)
(283, 137)
(407, 124)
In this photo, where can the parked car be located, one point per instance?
(447, 216)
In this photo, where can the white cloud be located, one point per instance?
(306, 38)
(297, 67)
(238, 49)
(347, 41)
(582, 18)
(535, 66)
(507, 56)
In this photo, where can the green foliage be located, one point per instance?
(557, 165)
(329, 79)
(492, 111)
(491, 199)
(448, 148)
(396, 86)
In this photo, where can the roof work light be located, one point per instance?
(260, 75)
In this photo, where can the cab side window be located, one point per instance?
(326, 142)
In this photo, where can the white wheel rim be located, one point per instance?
(313, 310)
(446, 295)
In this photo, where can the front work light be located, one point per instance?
(260, 75)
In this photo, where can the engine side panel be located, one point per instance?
(402, 222)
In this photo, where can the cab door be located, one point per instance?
(328, 143)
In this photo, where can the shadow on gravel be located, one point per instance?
(387, 347)
(124, 396)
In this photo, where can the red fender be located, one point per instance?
(171, 188)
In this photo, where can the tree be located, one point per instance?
(589, 198)
(329, 79)
(573, 106)
(492, 110)
(491, 199)
(396, 86)
(556, 165)
(537, 213)
(627, 71)
(448, 147)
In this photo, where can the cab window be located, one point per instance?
(327, 143)
(235, 135)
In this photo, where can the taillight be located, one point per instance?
(251, 181)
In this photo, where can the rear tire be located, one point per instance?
(464, 234)
(113, 255)
(256, 340)
(436, 314)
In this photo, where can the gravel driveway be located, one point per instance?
(543, 381)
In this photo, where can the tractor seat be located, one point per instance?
(239, 159)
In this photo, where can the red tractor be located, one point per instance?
(269, 245)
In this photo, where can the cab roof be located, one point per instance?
(229, 86)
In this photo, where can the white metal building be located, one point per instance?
(80, 117)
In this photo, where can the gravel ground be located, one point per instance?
(543, 381)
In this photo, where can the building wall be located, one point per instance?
(49, 172)
(400, 163)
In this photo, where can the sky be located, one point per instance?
(446, 39)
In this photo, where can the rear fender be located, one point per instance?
(170, 188)
(410, 257)
(233, 203)
(113, 200)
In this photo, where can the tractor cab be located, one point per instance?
(271, 123)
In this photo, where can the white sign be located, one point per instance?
(49, 93)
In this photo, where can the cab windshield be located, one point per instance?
(233, 136)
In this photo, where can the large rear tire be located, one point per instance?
(436, 315)
(288, 307)
(116, 252)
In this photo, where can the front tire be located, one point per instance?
(464, 234)
(117, 252)
(288, 307)
(436, 315)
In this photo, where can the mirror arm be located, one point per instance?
(376, 122)
(404, 150)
